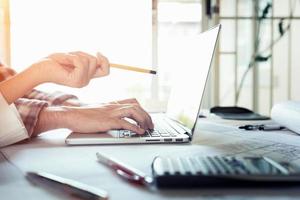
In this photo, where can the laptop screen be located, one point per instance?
(194, 56)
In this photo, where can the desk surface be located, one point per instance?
(50, 154)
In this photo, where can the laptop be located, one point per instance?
(177, 124)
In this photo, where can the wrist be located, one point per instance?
(20, 84)
(51, 118)
(38, 72)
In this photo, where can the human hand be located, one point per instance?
(96, 118)
(105, 117)
(74, 69)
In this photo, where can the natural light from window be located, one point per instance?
(119, 29)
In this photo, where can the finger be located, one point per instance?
(146, 116)
(103, 66)
(123, 124)
(80, 73)
(148, 120)
(127, 101)
(92, 60)
(135, 114)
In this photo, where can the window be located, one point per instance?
(270, 81)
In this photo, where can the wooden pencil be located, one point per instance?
(131, 68)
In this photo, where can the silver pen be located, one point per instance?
(71, 187)
(262, 127)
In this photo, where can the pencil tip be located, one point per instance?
(153, 72)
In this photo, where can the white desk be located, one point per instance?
(50, 154)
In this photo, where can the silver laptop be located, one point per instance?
(178, 124)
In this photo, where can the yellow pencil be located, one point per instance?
(131, 68)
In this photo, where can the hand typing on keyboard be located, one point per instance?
(105, 117)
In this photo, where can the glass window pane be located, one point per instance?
(227, 8)
(227, 39)
(245, 43)
(227, 80)
(295, 81)
(245, 8)
(296, 6)
(281, 8)
(280, 68)
(245, 50)
(264, 95)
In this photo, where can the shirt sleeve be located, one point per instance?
(53, 99)
(29, 110)
(12, 129)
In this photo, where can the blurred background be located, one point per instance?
(255, 65)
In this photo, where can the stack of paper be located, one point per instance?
(288, 115)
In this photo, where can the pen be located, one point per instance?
(125, 171)
(69, 186)
(262, 127)
(131, 68)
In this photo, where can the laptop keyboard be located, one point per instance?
(161, 129)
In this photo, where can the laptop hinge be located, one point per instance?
(189, 134)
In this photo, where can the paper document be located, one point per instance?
(279, 145)
(287, 114)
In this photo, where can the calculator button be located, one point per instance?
(227, 167)
(186, 167)
(209, 167)
(201, 167)
(177, 166)
(237, 165)
(206, 170)
(216, 163)
(191, 166)
(169, 166)
(198, 169)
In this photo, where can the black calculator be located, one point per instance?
(194, 171)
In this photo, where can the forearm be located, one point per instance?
(20, 84)
(51, 118)
(54, 98)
